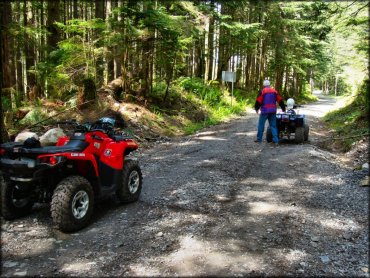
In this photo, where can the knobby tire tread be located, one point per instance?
(299, 135)
(123, 193)
(8, 210)
(306, 132)
(61, 203)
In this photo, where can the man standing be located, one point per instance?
(266, 101)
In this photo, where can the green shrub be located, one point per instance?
(6, 103)
(34, 116)
(211, 94)
(351, 120)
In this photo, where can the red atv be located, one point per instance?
(90, 164)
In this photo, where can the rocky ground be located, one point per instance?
(215, 203)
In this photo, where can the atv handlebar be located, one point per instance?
(103, 127)
(68, 122)
(76, 125)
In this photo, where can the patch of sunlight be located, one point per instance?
(211, 138)
(189, 143)
(41, 246)
(78, 267)
(206, 133)
(320, 178)
(294, 255)
(251, 110)
(222, 198)
(267, 208)
(245, 133)
(261, 194)
(281, 182)
(195, 252)
(321, 154)
(319, 109)
(183, 202)
(140, 270)
(338, 224)
(207, 161)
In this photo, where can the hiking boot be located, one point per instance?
(257, 141)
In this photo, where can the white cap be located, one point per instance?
(266, 83)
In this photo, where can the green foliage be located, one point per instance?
(209, 94)
(158, 90)
(352, 119)
(6, 103)
(216, 102)
(74, 60)
(294, 42)
(34, 116)
(306, 95)
(216, 115)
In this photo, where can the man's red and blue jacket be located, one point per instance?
(266, 100)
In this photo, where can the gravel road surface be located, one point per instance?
(214, 203)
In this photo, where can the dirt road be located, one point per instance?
(214, 203)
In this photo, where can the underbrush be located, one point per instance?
(306, 97)
(193, 104)
(190, 105)
(218, 102)
(350, 123)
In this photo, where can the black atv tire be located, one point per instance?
(299, 134)
(12, 207)
(306, 132)
(72, 203)
(132, 181)
(268, 135)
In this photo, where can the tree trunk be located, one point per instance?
(53, 16)
(279, 66)
(109, 63)
(222, 44)
(30, 52)
(6, 76)
(210, 41)
(75, 9)
(18, 55)
(247, 71)
(99, 13)
(284, 93)
(200, 56)
(146, 54)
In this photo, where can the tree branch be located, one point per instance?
(360, 9)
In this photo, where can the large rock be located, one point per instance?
(23, 136)
(50, 137)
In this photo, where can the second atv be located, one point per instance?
(92, 163)
(290, 123)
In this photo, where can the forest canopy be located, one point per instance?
(56, 49)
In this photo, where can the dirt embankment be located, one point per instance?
(214, 203)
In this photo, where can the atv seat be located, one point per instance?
(71, 146)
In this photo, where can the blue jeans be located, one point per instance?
(271, 117)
